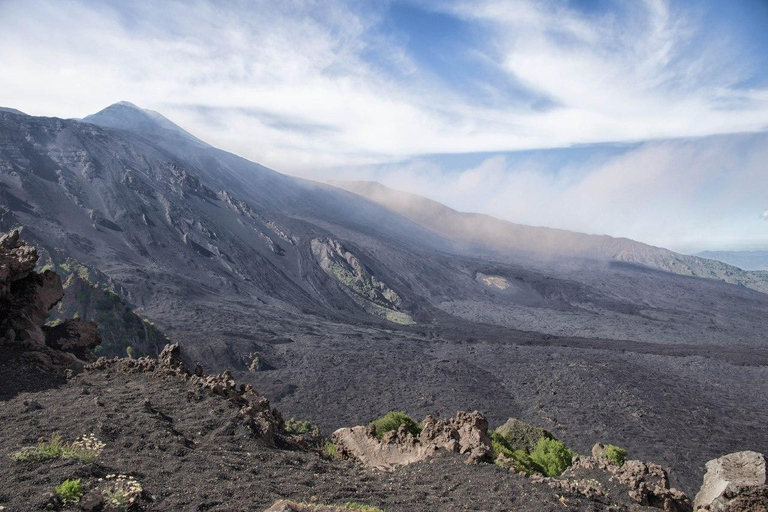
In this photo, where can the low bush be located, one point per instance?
(296, 427)
(70, 491)
(121, 492)
(615, 454)
(392, 421)
(85, 450)
(351, 505)
(329, 451)
(552, 456)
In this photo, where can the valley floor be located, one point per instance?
(676, 405)
(189, 451)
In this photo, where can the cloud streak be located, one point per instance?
(687, 194)
(631, 73)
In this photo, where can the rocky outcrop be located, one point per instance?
(634, 482)
(266, 423)
(735, 482)
(522, 436)
(26, 297)
(466, 434)
(366, 289)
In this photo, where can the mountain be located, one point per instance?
(127, 116)
(12, 111)
(747, 260)
(322, 298)
(489, 233)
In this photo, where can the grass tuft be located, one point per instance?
(84, 450)
(70, 491)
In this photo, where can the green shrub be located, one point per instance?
(298, 427)
(85, 449)
(53, 449)
(615, 454)
(329, 451)
(351, 505)
(392, 421)
(519, 435)
(552, 456)
(70, 491)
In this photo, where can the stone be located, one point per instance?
(466, 434)
(26, 297)
(730, 476)
(522, 436)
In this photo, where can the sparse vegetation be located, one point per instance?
(352, 505)
(552, 456)
(615, 454)
(85, 450)
(70, 491)
(121, 492)
(255, 363)
(329, 451)
(297, 427)
(392, 421)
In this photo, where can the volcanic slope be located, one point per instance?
(332, 299)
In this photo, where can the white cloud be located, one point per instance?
(293, 84)
(687, 195)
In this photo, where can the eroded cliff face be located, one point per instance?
(368, 291)
(26, 297)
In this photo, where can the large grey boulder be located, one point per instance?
(731, 478)
(466, 434)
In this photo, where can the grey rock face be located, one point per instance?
(25, 299)
(730, 476)
(522, 436)
(466, 434)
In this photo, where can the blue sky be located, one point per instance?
(418, 94)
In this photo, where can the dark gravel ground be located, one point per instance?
(190, 452)
(675, 405)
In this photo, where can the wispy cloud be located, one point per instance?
(687, 195)
(302, 85)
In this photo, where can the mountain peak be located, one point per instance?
(12, 111)
(125, 115)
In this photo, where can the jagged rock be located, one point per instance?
(522, 436)
(73, 336)
(170, 358)
(736, 481)
(643, 483)
(26, 297)
(465, 434)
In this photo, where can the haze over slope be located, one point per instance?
(489, 233)
(747, 260)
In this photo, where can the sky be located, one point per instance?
(632, 119)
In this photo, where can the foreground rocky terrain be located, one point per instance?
(149, 434)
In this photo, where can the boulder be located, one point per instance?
(733, 481)
(635, 482)
(465, 434)
(26, 297)
(522, 436)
